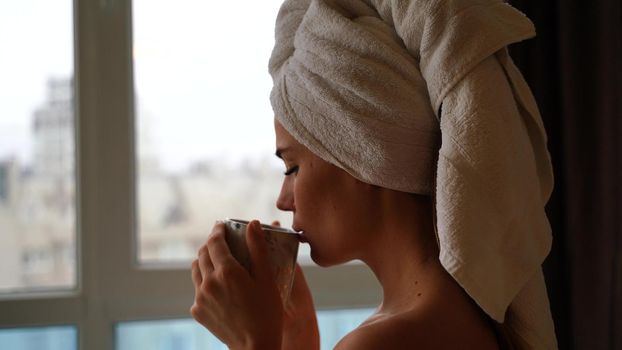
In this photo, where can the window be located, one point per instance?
(189, 335)
(124, 278)
(205, 138)
(37, 182)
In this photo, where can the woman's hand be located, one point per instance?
(241, 309)
(300, 329)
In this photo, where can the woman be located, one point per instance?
(447, 214)
(343, 219)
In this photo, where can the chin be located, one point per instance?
(323, 260)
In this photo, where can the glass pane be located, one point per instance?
(165, 335)
(205, 136)
(335, 324)
(189, 335)
(40, 338)
(37, 185)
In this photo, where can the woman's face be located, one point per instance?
(332, 208)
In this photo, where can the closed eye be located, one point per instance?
(291, 170)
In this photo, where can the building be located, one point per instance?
(38, 217)
(53, 132)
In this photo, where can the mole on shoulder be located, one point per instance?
(418, 294)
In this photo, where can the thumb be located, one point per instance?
(258, 250)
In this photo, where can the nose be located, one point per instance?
(285, 201)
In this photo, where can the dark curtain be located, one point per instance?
(574, 67)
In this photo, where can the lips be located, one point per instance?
(302, 238)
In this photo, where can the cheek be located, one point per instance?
(319, 201)
(306, 198)
(309, 196)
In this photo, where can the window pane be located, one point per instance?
(335, 324)
(37, 185)
(165, 335)
(189, 335)
(205, 137)
(40, 338)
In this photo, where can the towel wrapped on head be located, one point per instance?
(343, 74)
(422, 97)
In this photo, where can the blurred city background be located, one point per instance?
(176, 210)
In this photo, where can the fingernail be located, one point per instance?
(256, 225)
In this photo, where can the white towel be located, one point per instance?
(337, 80)
(364, 83)
(491, 224)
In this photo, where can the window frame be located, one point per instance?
(111, 286)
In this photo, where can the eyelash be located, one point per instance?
(291, 170)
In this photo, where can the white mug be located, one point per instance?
(282, 250)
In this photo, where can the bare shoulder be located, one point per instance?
(412, 330)
(386, 334)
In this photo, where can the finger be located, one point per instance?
(258, 250)
(197, 279)
(276, 223)
(205, 264)
(300, 289)
(219, 252)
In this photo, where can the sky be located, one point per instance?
(35, 43)
(200, 67)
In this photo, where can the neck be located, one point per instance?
(404, 254)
